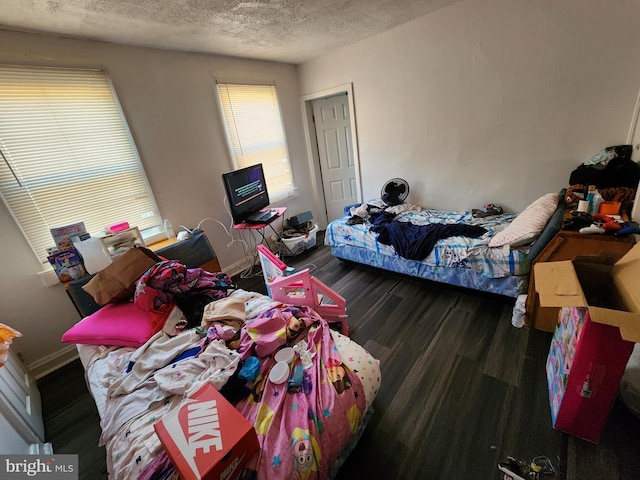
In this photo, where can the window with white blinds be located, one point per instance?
(256, 135)
(66, 154)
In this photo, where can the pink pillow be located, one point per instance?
(122, 324)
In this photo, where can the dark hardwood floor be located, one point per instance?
(71, 420)
(461, 388)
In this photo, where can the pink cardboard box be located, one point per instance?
(584, 367)
(598, 325)
(207, 438)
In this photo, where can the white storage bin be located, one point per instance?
(297, 245)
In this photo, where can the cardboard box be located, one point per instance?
(606, 287)
(207, 438)
(584, 367)
(116, 282)
(595, 334)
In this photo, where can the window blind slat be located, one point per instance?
(70, 153)
(255, 133)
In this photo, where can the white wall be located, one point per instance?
(168, 99)
(489, 100)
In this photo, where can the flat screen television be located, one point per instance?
(246, 190)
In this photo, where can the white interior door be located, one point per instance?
(335, 151)
(21, 421)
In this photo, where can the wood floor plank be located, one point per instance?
(71, 420)
(507, 351)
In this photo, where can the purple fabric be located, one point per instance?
(158, 286)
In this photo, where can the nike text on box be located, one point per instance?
(207, 438)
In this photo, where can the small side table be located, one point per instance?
(261, 228)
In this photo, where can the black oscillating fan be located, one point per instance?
(395, 191)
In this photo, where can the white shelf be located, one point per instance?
(118, 243)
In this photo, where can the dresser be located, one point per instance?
(567, 245)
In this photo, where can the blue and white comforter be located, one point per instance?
(460, 252)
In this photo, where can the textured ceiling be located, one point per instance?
(291, 31)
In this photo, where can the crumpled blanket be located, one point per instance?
(157, 288)
(156, 353)
(415, 242)
(159, 369)
(301, 430)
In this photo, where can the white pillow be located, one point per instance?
(527, 226)
(361, 362)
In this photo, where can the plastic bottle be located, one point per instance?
(595, 202)
(168, 229)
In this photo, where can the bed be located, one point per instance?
(497, 261)
(140, 375)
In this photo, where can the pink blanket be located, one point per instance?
(301, 431)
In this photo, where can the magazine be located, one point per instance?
(63, 236)
(67, 264)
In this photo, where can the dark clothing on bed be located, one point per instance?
(415, 242)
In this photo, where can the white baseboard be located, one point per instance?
(54, 361)
(238, 267)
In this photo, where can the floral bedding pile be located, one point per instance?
(302, 431)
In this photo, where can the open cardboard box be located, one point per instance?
(592, 343)
(607, 287)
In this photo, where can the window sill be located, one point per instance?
(153, 235)
(49, 278)
(285, 198)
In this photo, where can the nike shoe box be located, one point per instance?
(206, 438)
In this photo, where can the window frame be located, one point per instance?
(70, 101)
(278, 190)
